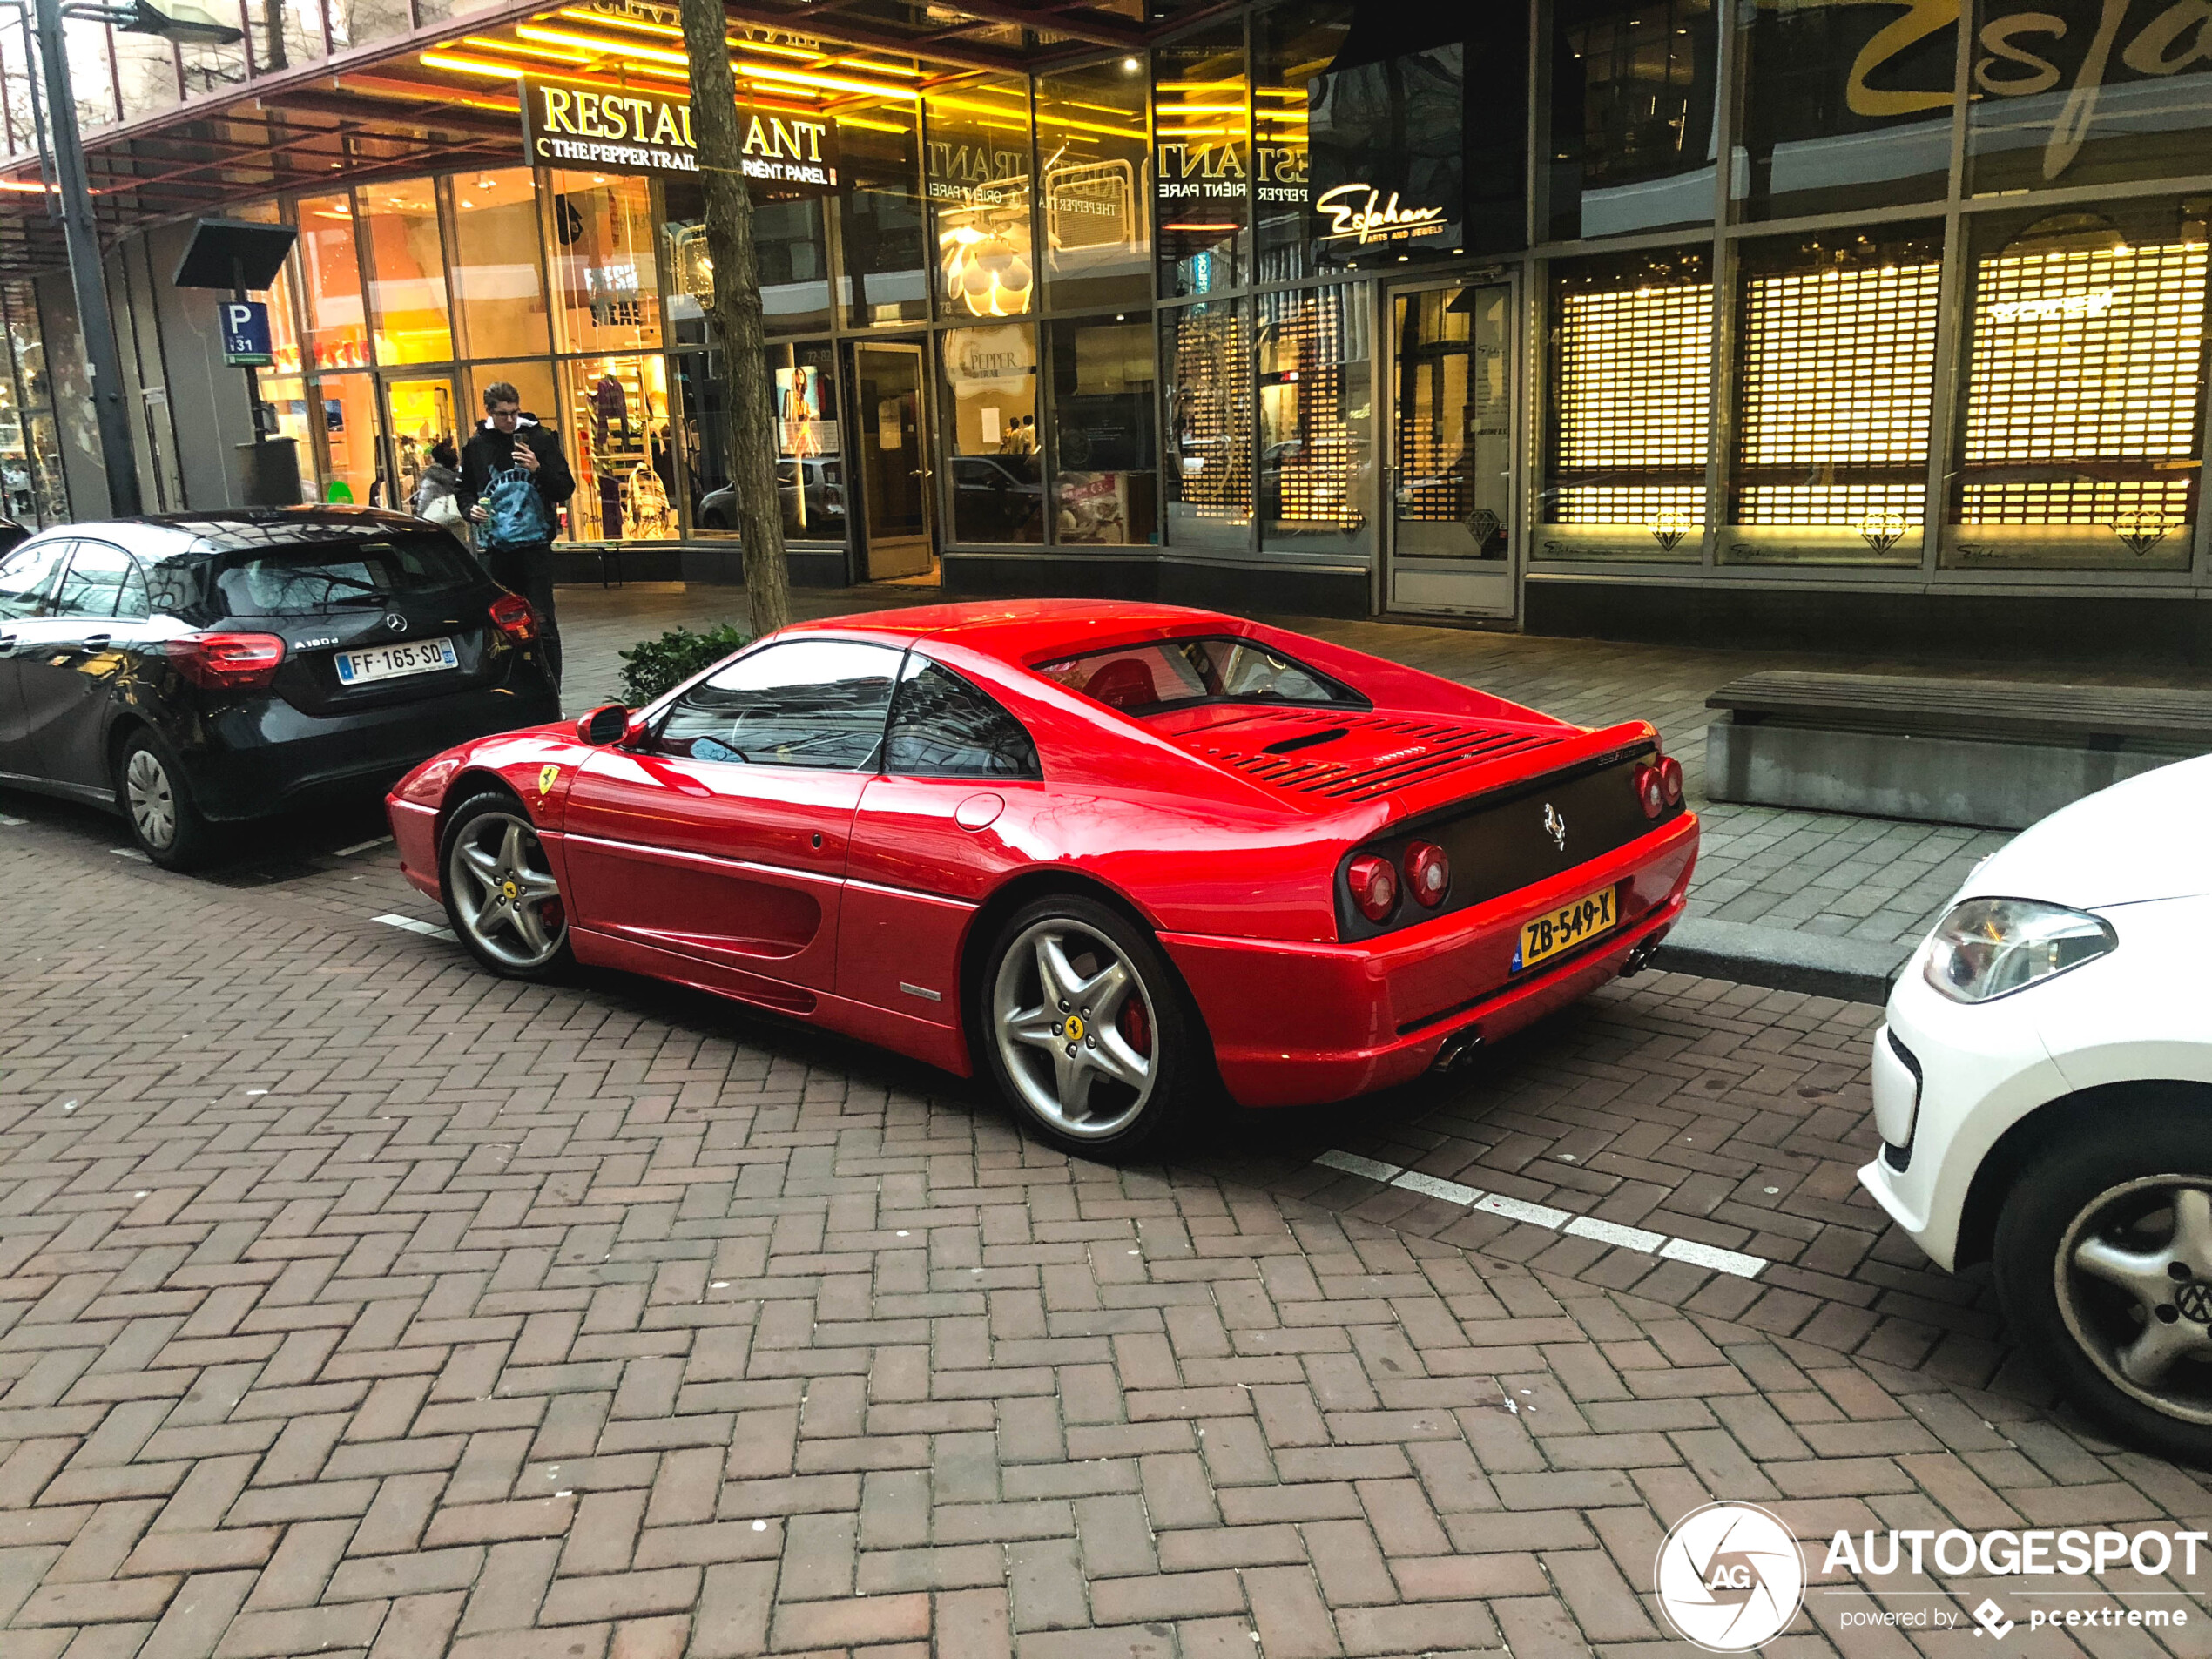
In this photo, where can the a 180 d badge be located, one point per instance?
(1730, 1577)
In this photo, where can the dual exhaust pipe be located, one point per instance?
(1465, 1042)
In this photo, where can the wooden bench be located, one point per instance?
(1997, 753)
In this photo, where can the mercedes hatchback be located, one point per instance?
(187, 669)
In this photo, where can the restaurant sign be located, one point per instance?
(646, 129)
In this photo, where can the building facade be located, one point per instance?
(1863, 323)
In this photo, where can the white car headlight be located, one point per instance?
(1990, 948)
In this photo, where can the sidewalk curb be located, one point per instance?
(1856, 970)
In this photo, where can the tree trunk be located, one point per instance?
(737, 312)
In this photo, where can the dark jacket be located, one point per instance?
(490, 453)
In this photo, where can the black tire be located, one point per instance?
(2119, 1189)
(156, 799)
(512, 920)
(1151, 1023)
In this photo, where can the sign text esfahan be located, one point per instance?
(644, 130)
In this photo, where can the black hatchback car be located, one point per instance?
(187, 669)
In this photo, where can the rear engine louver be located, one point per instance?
(1417, 751)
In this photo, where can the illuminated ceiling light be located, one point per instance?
(469, 66)
(871, 126)
(484, 42)
(625, 48)
(833, 82)
(1131, 66)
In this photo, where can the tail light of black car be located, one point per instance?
(510, 614)
(227, 662)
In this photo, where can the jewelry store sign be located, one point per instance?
(644, 130)
(1357, 215)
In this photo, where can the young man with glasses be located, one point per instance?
(513, 477)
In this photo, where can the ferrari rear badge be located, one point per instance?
(1555, 825)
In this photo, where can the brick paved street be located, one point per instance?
(358, 1303)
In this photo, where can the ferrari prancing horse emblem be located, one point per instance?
(546, 775)
(1555, 825)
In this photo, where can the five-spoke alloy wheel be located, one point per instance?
(1085, 1027)
(2104, 1262)
(500, 890)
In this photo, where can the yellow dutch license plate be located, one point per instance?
(1565, 928)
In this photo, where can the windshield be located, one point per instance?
(1176, 673)
(339, 576)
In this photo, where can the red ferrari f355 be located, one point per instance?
(1108, 853)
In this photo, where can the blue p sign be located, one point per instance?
(246, 334)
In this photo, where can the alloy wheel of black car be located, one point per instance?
(500, 891)
(157, 802)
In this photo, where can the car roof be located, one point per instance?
(237, 528)
(1030, 631)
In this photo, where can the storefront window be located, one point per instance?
(354, 472)
(615, 421)
(1632, 115)
(337, 337)
(423, 416)
(883, 242)
(810, 445)
(1105, 484)
(2080, 438)
(977, 165)
(287, 396)
(497, 286)
(1093, 154)
(1395, 149)
(406, 272)
(145, 70)
(283, 326)
(2074, 92)
(1836, 379)
(1316, 375)
(1840, 114)
(997, 471)
(284, 33)
(46, 476)
(787, 250)
(1202, 183)
(1631, 389)
(1208, 353)
(1293, 49)
(606, 284)
(1452, 496)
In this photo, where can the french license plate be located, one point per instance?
(395, 662)
(1564, 928)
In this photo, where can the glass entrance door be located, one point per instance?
(1454, 531)
(421, 416)
(891, 451)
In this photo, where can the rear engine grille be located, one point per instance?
(1420, 749)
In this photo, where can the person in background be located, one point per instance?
(437, 497)
(513, 477)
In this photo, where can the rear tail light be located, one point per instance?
(1374, 886)
(510, 614)
(1670, 780)
(227, 662)
(1428, 873)
(1651, 793)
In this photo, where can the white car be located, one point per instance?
(2043, 1088)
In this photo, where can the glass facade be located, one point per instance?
(1779, 290)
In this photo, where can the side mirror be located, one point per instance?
(604, 726)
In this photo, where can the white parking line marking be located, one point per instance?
(1733, 1261)
(1437, 1187)
(423, 927)
(1352, 1163)
(359, 846)
(10, 823)
(129, 852)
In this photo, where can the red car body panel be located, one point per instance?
(852, 901)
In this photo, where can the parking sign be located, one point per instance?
(246, 334)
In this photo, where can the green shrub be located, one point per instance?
(652, 666)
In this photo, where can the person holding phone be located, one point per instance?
(512, 476)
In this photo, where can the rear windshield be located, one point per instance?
(1176, 673)
(340, 576)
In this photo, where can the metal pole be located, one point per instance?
(87, 276)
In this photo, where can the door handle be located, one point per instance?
(97, 641)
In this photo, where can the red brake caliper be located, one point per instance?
(1134, 1026)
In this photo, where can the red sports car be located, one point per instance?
(1109, 851)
